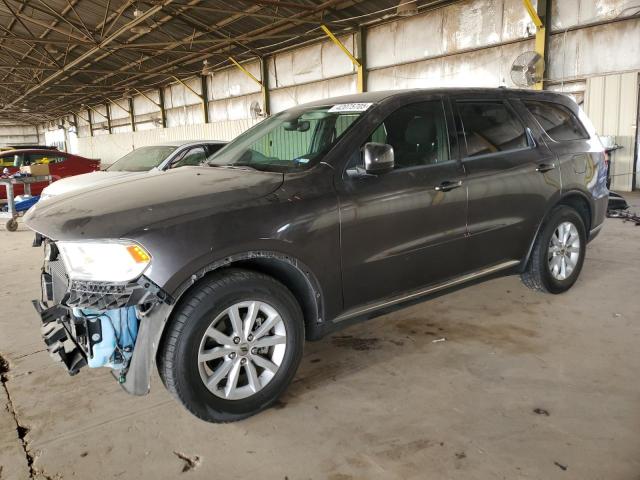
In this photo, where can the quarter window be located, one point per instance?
(559, 123)
(417, 133)
(490, 127)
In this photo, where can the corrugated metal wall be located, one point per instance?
(611, 102)
(18, 135)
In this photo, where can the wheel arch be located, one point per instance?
(575, 199)
(286, 269)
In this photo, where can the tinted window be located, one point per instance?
(417, 133)
(214, 147)
(193, 157)
(559, 123)
(490, 127)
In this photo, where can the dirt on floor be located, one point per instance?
(493, 381)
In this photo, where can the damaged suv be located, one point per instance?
(317, 217)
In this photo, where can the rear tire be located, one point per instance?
(233, 345)
(558, 253)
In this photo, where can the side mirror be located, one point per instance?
(378, 157)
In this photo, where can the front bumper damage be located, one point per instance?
(78, 322)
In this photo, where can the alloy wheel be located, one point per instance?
(564, 251)
(242, 350)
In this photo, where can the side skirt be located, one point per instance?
(370, 309)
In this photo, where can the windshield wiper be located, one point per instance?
(237, 166)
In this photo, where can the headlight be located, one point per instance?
(104, 261)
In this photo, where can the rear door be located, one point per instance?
(511, 177)
(404, 229)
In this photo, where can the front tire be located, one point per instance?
(233, 345)
(558, 253)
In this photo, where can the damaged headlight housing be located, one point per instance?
(104, 261)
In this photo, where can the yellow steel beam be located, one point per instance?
(531, 10)
(246, 72)
(540, 37)
(354, 60)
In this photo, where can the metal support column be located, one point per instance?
(108, 116)
(205, 97)
(90, 122)
(541, 17)
(163, 112)
(264, 73)
(132, 115)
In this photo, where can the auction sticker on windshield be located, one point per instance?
(350, 107)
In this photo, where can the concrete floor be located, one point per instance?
(378, 400)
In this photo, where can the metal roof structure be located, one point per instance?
(57, 55)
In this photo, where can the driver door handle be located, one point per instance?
(448, 185)
(545, 167)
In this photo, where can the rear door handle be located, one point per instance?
(545, 167)
(448, 185)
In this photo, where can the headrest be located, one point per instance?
(420, 131)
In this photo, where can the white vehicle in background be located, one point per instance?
(139, 162)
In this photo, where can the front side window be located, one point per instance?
(193, 157)
(292, 140)
(417, 133)
(557, 121)
(142, 159)
(490, 127)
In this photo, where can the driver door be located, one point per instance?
(404, 229)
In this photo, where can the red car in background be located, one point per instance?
(61, 165)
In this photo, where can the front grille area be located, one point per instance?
(100, 295)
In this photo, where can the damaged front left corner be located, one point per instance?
(97, 324)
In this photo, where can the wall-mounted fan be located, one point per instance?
(527, 69)
(255, 110)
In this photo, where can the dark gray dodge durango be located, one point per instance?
(317, 217)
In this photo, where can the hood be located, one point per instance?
(133, 204)
(78, 182)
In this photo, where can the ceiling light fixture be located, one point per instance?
(139, 29)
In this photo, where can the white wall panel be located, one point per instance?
(284, 98)
(595, 51)
(142, 105)
(415, 38)
(311, 63)
(233, 82)
(472, 24)
(120, 110)
(611, 102)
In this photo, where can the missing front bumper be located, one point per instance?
(61, 344)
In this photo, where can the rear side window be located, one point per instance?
(559, 122)
(45, 158)
(490, 127)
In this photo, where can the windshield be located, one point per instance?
(292, 140)
(142, 159)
